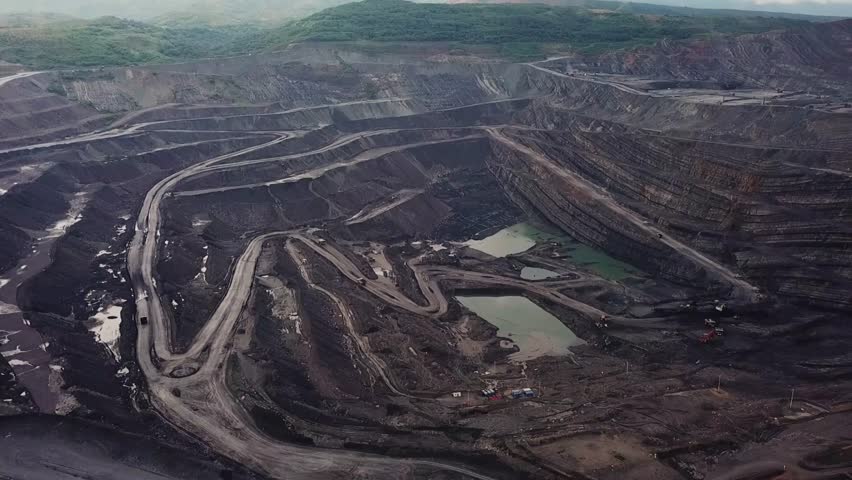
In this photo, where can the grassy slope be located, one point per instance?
(110, 41)
(503, 24)
(518, 31)
(241, 12)
(643, 8)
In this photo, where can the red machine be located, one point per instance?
(709, 336)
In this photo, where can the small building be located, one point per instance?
(457, 394)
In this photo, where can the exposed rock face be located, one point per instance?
(752, 124)
(812, 57)
(372, 152)
(758, 207)
(305, 75)
(31, 114)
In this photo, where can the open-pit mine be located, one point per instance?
(334, 262)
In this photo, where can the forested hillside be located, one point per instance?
(515, 30)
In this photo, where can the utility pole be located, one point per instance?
(719, 384)
(627, 366)
(792, 392)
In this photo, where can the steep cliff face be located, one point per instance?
(32, 110)
(813, 57)
(753, 124)
(568, 204)
(774, 213)
(327, 76)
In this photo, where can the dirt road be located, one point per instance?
(585, 78)
(189, 388)
(429, 276)
(398, 199)
(365, 156)
(206, 409)
(17, 76)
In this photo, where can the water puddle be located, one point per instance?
(533, 273)
(523, 236)
(535, 331)
(509, 241)
(20, 343)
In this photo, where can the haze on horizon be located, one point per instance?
(266, 10)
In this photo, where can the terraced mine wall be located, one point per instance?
(222, 212)
(280, 79)
(542, 193)
(754, 124)
(37, 205)
(297, 119)
(778, 213)
(276, 169)
(763, 209)
(29, 113)
(85, 270)
(812, 57)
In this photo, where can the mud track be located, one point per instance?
(188, 389)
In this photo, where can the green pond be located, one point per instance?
(523, 236)
(533, 329)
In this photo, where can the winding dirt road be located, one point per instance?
(365, 156)
(189, 390)
(584, 78)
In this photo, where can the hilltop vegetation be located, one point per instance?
(517, 30)
(640, 8)
(518, 25)
(239, 12)
(111, 41)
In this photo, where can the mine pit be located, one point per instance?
(583, 267)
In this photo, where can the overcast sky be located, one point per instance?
(149, 8)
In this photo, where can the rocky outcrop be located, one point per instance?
(813, 57)
(570, 208)
(305, 75)
(780, 221)
(751, 124)
(30, 112)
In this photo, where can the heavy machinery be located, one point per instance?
(708, 337)
(712, 335)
